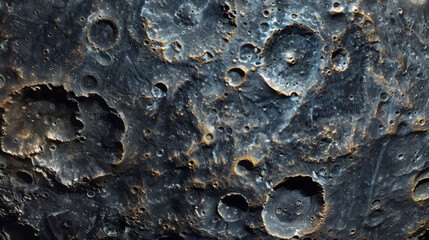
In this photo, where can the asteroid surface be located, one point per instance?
(214, 119)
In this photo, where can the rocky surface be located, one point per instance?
(214, 119)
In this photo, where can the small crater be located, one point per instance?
(209, 137)
(103, 34)
(337, 8)
(235, 77)
(294, 207)
(207, 57)
(194, 197)
(160, 153)
(375, 204)
(266, 13)
(88, 82)
(335, 171)
(249, 53)
(103, 58)
(243, 167)
(336, 4)
(232, 207)
(23, 178)
(246, 128)
(421, 190)
(159, 90)
(340, 59)
(177, 46)
(264, 27)
(384, 96)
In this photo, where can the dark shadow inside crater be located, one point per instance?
(303, 184)
(96, 149)
(77, 138)
(35, 114)
(236, 201)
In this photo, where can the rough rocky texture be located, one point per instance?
(214, 119)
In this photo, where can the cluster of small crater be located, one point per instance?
(295, 207)
(75, 137)
(293, 59)
(190, 29)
